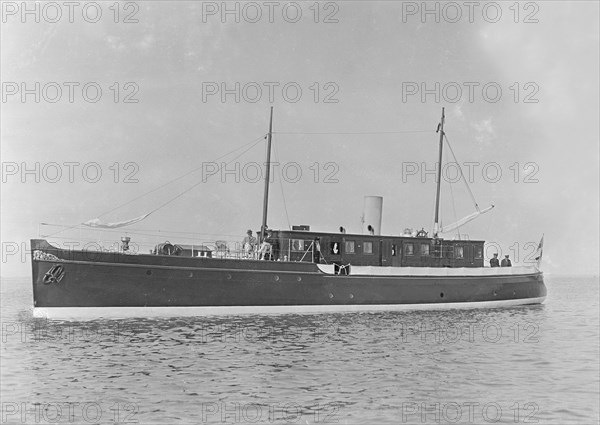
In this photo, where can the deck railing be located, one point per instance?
(141, 241)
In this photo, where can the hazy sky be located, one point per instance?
(519, 83)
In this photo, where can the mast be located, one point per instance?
(440, 130)
(267, 178)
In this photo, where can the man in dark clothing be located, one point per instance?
(506, 262)
(317, 250)
(494, 261)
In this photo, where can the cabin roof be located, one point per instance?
(312, 234)
(198, 247)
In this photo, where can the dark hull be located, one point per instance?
(95, 279)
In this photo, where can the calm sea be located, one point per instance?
(537, 364)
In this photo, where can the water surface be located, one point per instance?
(533, 364)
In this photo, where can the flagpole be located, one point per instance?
(541, 251)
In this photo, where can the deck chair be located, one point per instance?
(222, 250)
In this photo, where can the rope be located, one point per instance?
(253, 143)
(287, 217)
(454, 208)
(201, 182)
(357, 132)
(461, 173)
(142, 232)
(307, 250)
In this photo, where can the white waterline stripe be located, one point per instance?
(92, 313)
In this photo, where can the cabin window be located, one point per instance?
(349, 247)
(478, 252)
(297, 245)
(437, 248)
(459, 252)
(367, 247)
(334, 248)
(424, 249)
(409, 249)
(394, 250)
(449, 251)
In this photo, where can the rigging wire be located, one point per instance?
(435, 195)
(461, 173)
(202, 182)
(287, 217)
(142, 232)
(354, 132)
(454, 208)
(252, 144)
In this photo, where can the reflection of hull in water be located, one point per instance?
(104, 284)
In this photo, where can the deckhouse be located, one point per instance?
(345, 249)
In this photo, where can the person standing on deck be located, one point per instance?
(248, 244)
(494, 261)
(506, 262)
(265, 247)
(317, 250)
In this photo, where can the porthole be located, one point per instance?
(148, 272)
(441, 295)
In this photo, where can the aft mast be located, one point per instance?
(436, 225)
(267, 178)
